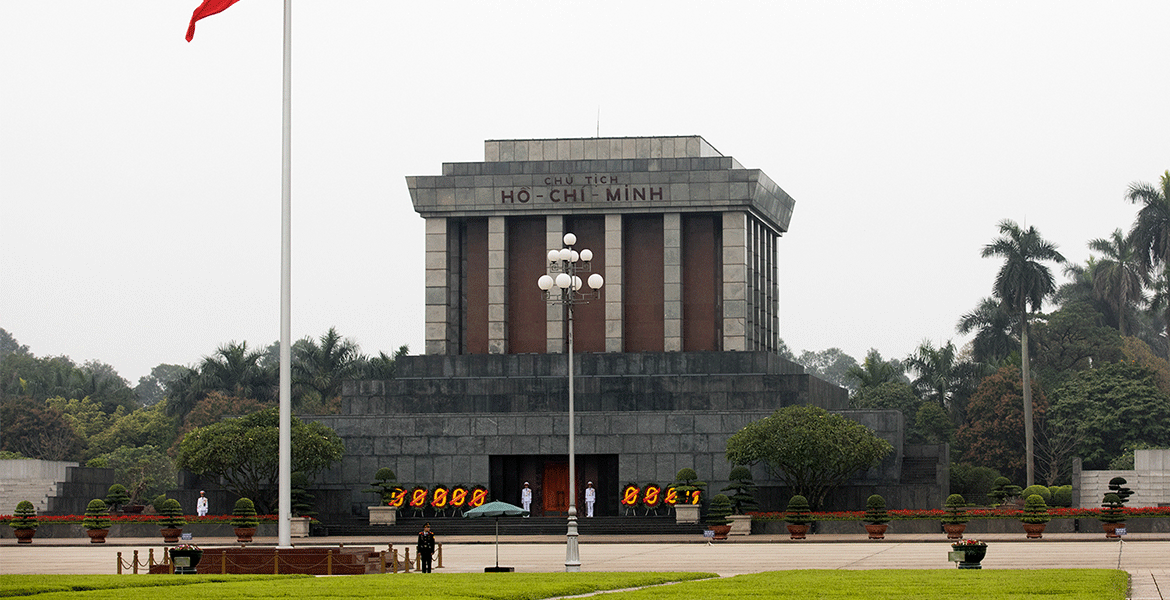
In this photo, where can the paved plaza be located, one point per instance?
(1146, 557)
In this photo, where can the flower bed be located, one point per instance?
(973, 514)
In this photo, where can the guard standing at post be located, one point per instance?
(425, 547)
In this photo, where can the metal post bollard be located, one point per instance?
(440, 544)
(135, 562)
(407, 565)
(329, 562)
(150, 557)
(276, 562)
(119, 563)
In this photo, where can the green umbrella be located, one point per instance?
(496, 509)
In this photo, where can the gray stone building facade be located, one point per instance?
(677, 354)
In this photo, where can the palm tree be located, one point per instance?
(322, 367)
(944, 378)
(994, 330)
(236, 371)
(1118, 278)
(874, 371)
(1022, 283)
(1150, 234)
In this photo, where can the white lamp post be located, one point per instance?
(568, 289)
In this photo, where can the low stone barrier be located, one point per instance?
(142, 530)
(974, 526)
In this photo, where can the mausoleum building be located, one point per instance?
(677, 353)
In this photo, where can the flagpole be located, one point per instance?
(284, 530)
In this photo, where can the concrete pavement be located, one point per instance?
(1146, 557)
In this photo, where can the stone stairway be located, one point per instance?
(449, 526)
(32, 480)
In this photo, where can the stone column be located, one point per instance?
(497, 286)
(436, 286)
(554, 238)
(612, 291)
(735, 272)
(672, 282)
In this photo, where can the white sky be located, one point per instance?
(140, 174)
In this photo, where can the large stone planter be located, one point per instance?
(797, 532)
(299, 526)
(876, 531)
(741, 524)
(1034, 531)
(954, 530)
(171, 534)
(720, 531)
(383, 515)
(97, 536)
(24, 536)
(686, 513)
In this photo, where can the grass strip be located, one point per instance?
(491, 586)
(898, 584)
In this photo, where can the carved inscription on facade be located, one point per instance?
(570, 189)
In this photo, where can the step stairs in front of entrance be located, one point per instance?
(451, 526)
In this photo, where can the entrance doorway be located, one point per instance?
(556, 488)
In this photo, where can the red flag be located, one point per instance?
(208, 8)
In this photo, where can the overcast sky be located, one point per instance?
(140, 174)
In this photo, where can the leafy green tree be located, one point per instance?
(993, 435)
(1022, 283)
(892, 395)
(151, 389)
(1119, 278)
(808, 449)
(9, 345)
(932, 424)
(31, 428)
(1137, 351)
(86, 417)
(1113, 408)
(145, 471)
(1150, 234)
(217, 405)
(147, 426)
(1072, 339)
(832, 365)
(244, 453)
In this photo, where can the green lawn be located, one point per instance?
(1050, 584)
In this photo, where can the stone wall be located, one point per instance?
(1149, 480)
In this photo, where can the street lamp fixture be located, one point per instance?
(562, 285)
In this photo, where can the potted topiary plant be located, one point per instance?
(798, 515)
(954, 521)
(172, 522)
(384, 485)
(116, 496)
(1112, 516)
(185, 558)
(717, 514)
(244, 520)
(742, 489)
(689, 489)
(1035, 516)
(96, 521)
(876, 517)
(24, 522)
(1003, 490)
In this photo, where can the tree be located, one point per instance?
(1112, 408)
(832, 365)
(9, 345)
(320, 368)
(383, 366)
(994, 431)
(1150, 234)
(145, 471)
(1136, 351)
(147, 426)
(86, 417)
(31, 428)
(808, 449)
(151, 389)
(1072, 339)
(943, 378)
(1119, 278)
(892, 395)
(244, 453)
(994, 330)
(1023, 282)
(236, 371)
(875, 371)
